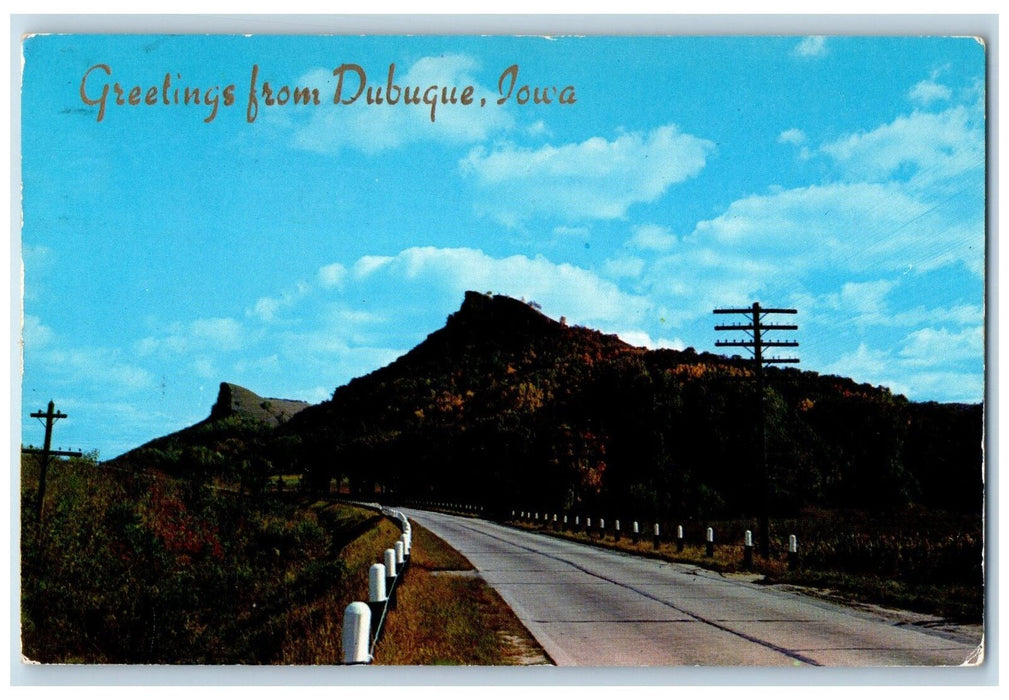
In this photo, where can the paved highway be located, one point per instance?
(592, 607)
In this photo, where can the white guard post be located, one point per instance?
(376, 583)
(356, 633)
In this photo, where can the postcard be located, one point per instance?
(487, 350)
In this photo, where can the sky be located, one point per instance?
(290, 247)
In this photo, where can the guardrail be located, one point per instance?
(452, 507)
(363, 622)
(597, 528)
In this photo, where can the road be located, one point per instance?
(592, 607)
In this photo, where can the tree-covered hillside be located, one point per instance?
(505, 404)
(234, 442)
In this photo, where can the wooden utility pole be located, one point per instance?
(51, 416)
(755, 328)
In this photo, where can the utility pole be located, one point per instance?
(51, 416)
(755, 328)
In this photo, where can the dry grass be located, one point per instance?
(433, 554)
(444, 615)
(314, 630)
(448, 617)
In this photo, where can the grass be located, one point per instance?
(431, 553)
(314, 633)
(140, 567)
(957, 603)
(445, 617)
(145, 568)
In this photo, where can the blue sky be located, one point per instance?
(165, 252)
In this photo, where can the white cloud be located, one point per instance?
(37, 265)
(104, 367)
(865, 302)
(572, 231)
(343, 315)
(853, 227)
(811, 46)
(874, 303)
(270, 363)
(368, 264)
(697, 278)
(266, 308)
(315, 394)
(855, 304)
(927, 91)
(652, 237)
(561, 289)
(595, 179)
(644, 340)
(538, 128)
(326, 352)
(624, 267)
(332, 276)
(387, 304)
(817, 219)
(867, 365)
(866, 297)
(931, 345)
(944, 385)
(924, 148)
(793, 136)
(379, 127)
(812, 248)
(958, 315)
(932, 363)
(219, 334)
(204, 367)
(222, 333)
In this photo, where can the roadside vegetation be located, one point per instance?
(139, 567)
(446, 615)
(913, 559)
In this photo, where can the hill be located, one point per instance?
(236, 400)
(233, 441)
(505, 404)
